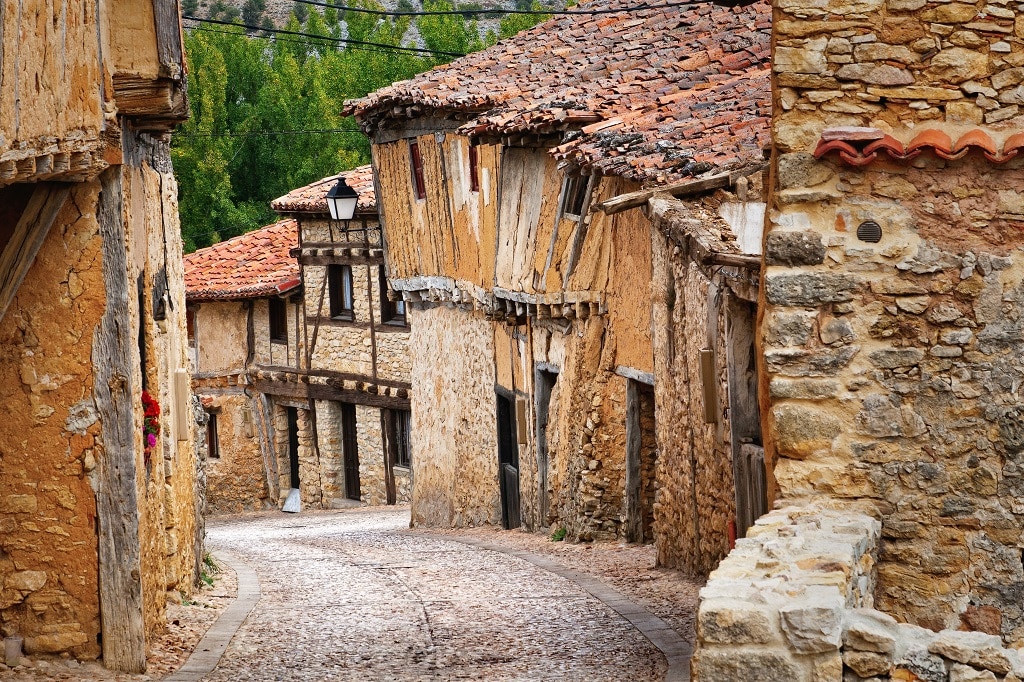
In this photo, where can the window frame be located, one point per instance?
(575, 195)
(419, 185)
(277, 314)
(212, 436)
(341, 292)
(474, 169)
(401, 421)
(391, 312)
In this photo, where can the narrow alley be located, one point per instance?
(356, 595)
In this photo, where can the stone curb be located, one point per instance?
(213, 644)
(677, 651)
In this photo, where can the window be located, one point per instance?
(402, 435)
(190, 325)
(574, 195)
(416, 162)
(212, 440)
(474, 169)
(278, 321)
(339, 281)
(391, 312)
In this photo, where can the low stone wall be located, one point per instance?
(792, 602)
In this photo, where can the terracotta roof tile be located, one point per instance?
(851, 147)
(690, 83)
(248, 266)
(312, 197)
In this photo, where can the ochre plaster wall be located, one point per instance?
(455, 448)
(48, 446)
(221, 336)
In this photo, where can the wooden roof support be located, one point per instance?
(29, 234)
(624, 202)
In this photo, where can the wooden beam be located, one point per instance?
(117, 507)
(28, 237)
(738, 260)
(684, 188)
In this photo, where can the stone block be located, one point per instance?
(802, 170)
(808, 58)
(801, 430)
(924, 666)
(958, 672)
(733, 664)
(788, 328)
(802, 363)
(870, 630)
(986, 619)
(895, 286)
(881, 417)
(810, 289)
(867, 663)
(813, 625)
(805, 389)
(25, 581)
(55, 642)
(896, 358)
(794, 248)
(973, 648)
(875, 74)
(735, 622)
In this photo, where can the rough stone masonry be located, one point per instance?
(893, 329)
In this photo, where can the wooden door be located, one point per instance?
(544, 382)
(508, 464)
(350, 449)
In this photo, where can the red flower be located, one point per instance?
(151, 408)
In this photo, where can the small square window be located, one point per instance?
(416, 162)
(391, 312)
(339, 281)
(574, 195)
(278, 321)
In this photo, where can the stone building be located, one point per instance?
(98, 520)
(302, 371)
(892, 354)
(356, 345)
(243, 311)
(537, 397)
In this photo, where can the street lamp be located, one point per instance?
(341, 200)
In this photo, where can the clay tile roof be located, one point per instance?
(252, 265)
(312, 197)
(683, 88)
(849, 143)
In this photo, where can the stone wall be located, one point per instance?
(454, 449)
(793, 603)
(696, 493)
(276, 354)
(311, 489)
(235, 481)
(894, 363)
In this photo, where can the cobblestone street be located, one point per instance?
(354, 595)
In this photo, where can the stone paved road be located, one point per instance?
(349, 596)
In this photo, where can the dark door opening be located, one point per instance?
(641, 460)
(293, 446)
(544, 383)
(745, 415)
(350, 449)
(508, 464)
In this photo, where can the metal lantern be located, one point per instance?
(341, 200)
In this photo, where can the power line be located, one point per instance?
(285, 40)
(467, 12)
(345, 41)
(268, 133)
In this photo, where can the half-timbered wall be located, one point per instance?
(509, 240)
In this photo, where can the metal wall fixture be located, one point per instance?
(869, 231)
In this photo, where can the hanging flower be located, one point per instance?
(150, 424)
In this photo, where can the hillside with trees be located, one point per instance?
(265, 102)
